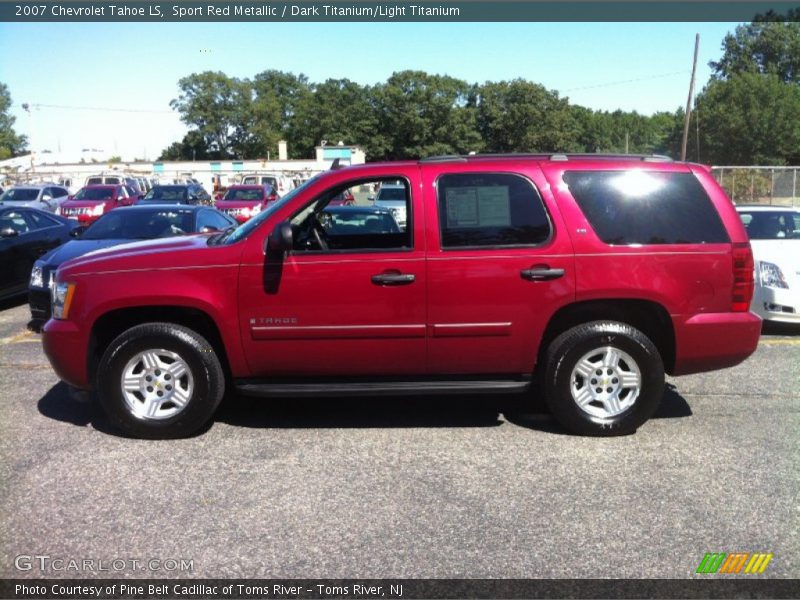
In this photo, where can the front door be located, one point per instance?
(349, 299)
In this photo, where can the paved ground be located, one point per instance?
(430, 487)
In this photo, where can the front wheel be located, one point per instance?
(159, 381)
(603, 378)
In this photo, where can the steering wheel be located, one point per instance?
(319, 233)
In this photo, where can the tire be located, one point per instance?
(603, 378)
(185, 387)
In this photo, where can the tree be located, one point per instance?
(767, 45)
(220, 108)
(520, 116)
(191, 147)
(11, 144)
(749, 118)
(338, 110)
(277, 96)
(426, 115)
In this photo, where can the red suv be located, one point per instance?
(587, 277)
(245, 201)
(93, 201)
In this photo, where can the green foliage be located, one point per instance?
(11, 144)
(114, 159)
(750, 118)
(768, 45)
(424, 115)
(520, 116)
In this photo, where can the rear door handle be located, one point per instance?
(541, 273)
(393, 279)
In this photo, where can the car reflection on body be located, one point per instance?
(120, 226)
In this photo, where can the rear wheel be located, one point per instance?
(603, 378)
(160, 380)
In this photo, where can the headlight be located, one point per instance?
(98, 210)
(37, 277)
(61, 294)
(771, 275)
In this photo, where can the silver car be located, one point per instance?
(42, 196)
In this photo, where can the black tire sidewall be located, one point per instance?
(193, 350)
(573, 347)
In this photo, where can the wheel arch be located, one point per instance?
(651, 318)
(112, 323)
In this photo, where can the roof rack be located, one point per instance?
(557, 156)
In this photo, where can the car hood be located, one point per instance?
(785, 253)
(17, 204)
(169, 252)
(75, 248)
(222, 204)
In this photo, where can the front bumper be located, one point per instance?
(710, 341)
(66, 347)
(777, 304)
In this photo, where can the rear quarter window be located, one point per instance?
(646, 207)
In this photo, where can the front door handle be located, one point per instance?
(393, 279)
(541, 273)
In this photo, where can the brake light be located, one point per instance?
(272, 198)
(743, 277)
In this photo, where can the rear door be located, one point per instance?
(349, 300)
(499, 265)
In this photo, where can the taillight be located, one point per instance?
(272, 197)
(743, 281)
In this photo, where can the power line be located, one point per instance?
(624, 81)
(29, 105)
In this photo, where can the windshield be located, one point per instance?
(244, 230)
(19, 195)
(95, 194)
(166, 194)
(140, 225)
(771, 225)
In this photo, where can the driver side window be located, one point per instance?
(357, 216)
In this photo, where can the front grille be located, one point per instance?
(39, 302)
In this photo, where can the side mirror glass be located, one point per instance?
(281, 239)
(8, 232)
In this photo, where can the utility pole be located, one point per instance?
(688, 114)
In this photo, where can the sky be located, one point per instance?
(68, 72)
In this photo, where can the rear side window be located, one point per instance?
(640, 207)
(490, 209)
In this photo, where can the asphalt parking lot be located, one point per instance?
(405, 487)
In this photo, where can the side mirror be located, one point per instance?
(69, 197)
(46, 198)
(8, 232)
(78, 231)
(371, 198)
(281, 239)
(141, 196)
(218, 197)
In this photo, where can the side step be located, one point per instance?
(375, 388)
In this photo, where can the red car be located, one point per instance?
(589, 277)
(93, 201)
(245, 201)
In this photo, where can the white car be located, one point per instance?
(775, 238)
(42, 196)
(280, 183)
(394, 197)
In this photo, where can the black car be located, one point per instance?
(119, 226)
(26, 234)
(177, 194)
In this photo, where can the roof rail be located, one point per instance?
(557, 156)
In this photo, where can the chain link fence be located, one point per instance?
(760, 185)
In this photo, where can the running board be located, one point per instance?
(375, 388)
